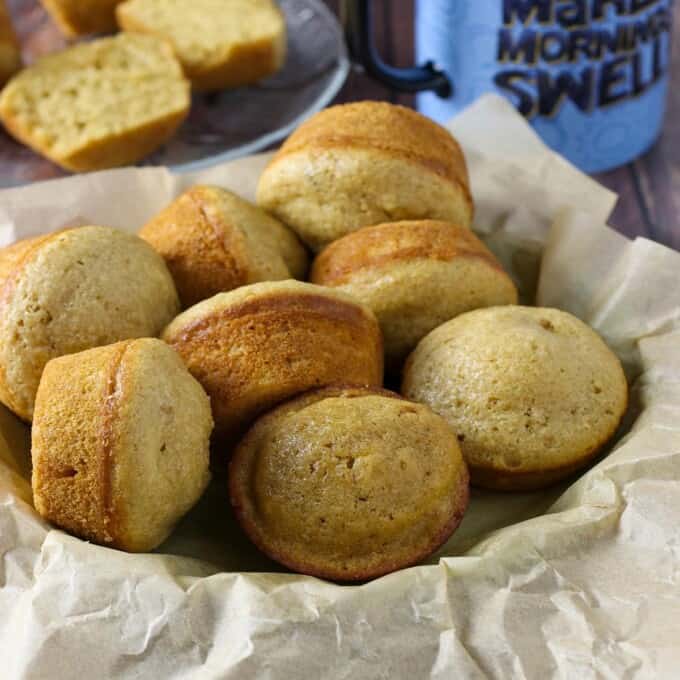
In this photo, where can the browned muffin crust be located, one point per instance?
(251, 352)
(120, 443)
(73, 485)
(244, 464)
(214, 241)
(384, 244)
(361, 164)
(412, 137)
(202, 254)
(414, 275)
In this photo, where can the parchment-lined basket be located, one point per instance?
(581, 580)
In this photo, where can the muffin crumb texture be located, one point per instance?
(220, 44)
(101, 104)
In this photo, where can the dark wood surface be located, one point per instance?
(649, 188)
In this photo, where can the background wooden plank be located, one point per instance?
(649, 189)
(658, 171)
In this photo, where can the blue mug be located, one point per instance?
(590, 75)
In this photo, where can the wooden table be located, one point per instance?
(649, 188)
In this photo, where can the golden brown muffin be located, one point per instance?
(120, 443)
(213, 241)
(349, 483)
(80, 17)
(362, 164)
(72, 290)
(533, 394)
(260, 344)
(414, 276)
(220, 44)
(100, 104)
(10, 51)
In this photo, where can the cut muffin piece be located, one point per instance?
(349, 483)
(220, 43)
(73, 290)
(100, 104)
(214, 241)
(120, 443)
(362, 164)
(533, 394)
(80, 17)
(10, 52)
(260, 344)
(414, 276)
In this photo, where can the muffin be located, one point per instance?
(414, 276)
(260, 344)
(362, 164)
(72, 290)
(101, 104)
(120, 443)
(10, 51)
(533, 394)
(80, 17)
(214, 241)
(220, 44)
(348, 483)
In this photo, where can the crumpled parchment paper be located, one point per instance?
(579, 581)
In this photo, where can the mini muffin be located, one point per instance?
(120, 443)
(349, 483)
(362, 164)
(214, 241)
(100, 104)
(533, 394)
(80, 17)
(72, 290)
(414, 276)
(10, 51)
(220, 44)
(260, 344)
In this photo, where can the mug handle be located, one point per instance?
(357, 23)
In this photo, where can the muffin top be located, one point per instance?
(383, 245)
(258, 345)
(526, 389)
(214, 241)
(414, 275)
(72, 290)
(259, 297)
(349, 483)
(391, 130)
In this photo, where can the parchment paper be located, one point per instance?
(581, 581)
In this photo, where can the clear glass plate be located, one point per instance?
(221, 125)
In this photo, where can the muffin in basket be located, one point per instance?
(120, 443)
(260, 344)
(362, 164)
(414, 276)
(72, 290)
(533, 394)
(349, 483)
(213, 241)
